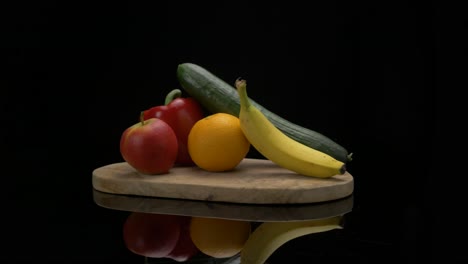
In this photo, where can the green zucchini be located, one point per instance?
(215, 95)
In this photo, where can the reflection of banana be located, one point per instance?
(269, 236)
(278, 147)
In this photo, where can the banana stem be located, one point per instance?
(241, 86)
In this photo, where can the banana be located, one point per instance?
(281, 149)
(269, 236)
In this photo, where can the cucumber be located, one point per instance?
(215, 95)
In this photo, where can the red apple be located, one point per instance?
(151, 235)
(150, 146)
(185, 249)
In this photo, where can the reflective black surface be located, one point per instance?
(377, 77)
(253, 214)
(234, 211)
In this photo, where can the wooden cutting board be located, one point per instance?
(254, 181)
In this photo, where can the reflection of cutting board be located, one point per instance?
(235, 211)
(254, 181)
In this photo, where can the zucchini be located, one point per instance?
(215, 95)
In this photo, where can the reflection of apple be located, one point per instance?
(159, 236)
(151, 235)
(150, 146)
(184, 249)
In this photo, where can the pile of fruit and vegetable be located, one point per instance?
(214, 127)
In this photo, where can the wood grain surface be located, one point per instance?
(254, 181)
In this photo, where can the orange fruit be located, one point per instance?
(219, 238)
(217, 143)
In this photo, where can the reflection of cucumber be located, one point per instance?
(218, 96)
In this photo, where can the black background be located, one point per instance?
(370, 75)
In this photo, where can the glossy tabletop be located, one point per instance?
(276, 215)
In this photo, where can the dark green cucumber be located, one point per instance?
(218, 96)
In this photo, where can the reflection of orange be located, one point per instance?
(219, 238)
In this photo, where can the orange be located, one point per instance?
(217, 143)
(219, 238)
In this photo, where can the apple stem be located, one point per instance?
(142, 117)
